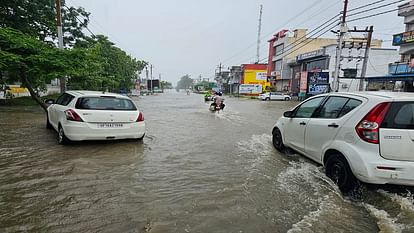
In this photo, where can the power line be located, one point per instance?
(375, 8)
(80, 21)
(377, 14)
(367, 5)
(373, 15)
(313, 4)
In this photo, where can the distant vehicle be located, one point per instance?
(90, 115)
(367, 136)
(274, 96)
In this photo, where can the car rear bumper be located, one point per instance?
(368, 166)
(389, 172)
(81, 131)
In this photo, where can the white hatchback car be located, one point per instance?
(274, 96)
(367, 136)
(90, 115)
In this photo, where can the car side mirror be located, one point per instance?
(49, 101)
(288, 114)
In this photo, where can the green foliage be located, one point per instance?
(38, 19)
(185, 82)
(166, 85)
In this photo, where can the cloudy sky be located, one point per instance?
(193, 36)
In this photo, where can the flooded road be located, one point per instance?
(195, 171)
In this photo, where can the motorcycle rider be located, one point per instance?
(218, 101)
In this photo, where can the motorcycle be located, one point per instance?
(217, 108)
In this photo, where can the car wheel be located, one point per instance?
(48, 125)
(267, 99)
(287, 98)
(338, 170)
(62, 139)
(277, 140)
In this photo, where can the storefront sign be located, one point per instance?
(250, 89)
(403, 38)
(318, 83)
(261, 76)
(303, 81)
(312, 54)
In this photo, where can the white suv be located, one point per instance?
(367, 136)
(89, 115)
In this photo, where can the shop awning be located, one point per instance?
(397, 77)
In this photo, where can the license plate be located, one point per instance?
(110, 125)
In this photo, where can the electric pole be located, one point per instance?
(366, 57)
(151, 77)
(342, 32)
(259, 31)
(62, 80)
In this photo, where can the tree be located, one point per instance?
(34, 63)
(38, 19)
(166, 85)
(185, 82)
(118, 69)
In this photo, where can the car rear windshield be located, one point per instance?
(105, 103)
(400, 116)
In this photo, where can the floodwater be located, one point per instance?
(195, 171)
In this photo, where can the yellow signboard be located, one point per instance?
(256, 77)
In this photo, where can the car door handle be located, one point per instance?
(333, 125)
(302, 123)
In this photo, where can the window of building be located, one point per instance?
(278, 65)
(279, 49)
(317, 65)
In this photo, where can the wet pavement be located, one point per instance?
(195, 171)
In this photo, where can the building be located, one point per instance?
(283, 50)
(254, 79)
(401, 72)
(235, 79)
(321, 63)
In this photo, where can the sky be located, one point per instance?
(180, 37)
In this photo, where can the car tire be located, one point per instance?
(286, 99)
(267, 99)
(277, 140)
(62, 139)
(48, 125)
(338, 170)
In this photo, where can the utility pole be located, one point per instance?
(342, 32)
(62, 80)
(259, 31)
(366, 57)
(151, 77)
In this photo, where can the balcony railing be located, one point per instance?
(400, 68)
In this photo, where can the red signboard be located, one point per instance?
(303, 81)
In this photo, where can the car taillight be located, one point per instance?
(140, 117)
(368, 127)
(71, 115)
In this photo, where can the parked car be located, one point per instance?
(89, 115)
(274, 96)
(367, 136)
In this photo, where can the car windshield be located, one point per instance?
(105, 103)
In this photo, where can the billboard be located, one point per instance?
(403, 38)
(250, 89)
(318, 83)
(255, 74)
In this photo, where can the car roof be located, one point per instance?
(94, 93)
(385, 95)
